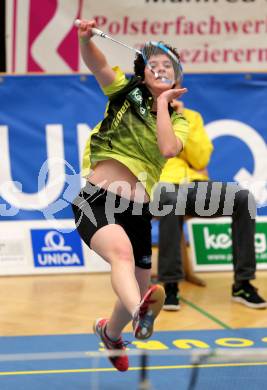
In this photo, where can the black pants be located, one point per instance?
(96, 207)
(201, 199)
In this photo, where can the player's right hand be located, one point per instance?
(85, 29)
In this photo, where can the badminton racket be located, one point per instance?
(151, 48)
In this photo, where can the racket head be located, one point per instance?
(153, 48)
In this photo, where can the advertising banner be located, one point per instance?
(211, 243)
(44, 123)
(233, 108)
(45, 247)
(211, 35)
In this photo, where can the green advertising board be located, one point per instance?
(211, 243)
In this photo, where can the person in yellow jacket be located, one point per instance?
(188, 173)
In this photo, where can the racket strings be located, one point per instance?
(157, 48)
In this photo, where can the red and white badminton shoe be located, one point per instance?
(149, 309)
(121, 362)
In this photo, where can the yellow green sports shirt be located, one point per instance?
(128, 131)
(195, 155)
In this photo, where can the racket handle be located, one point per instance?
(100, 33)
(95, 31)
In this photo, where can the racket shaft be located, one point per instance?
(101, 34)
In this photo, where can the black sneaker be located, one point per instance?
(172, 302)
(248, 295)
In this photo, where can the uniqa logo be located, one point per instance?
(256, 181)
(56, 252)
(55, 241)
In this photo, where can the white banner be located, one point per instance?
(42, 247)
(211, 35)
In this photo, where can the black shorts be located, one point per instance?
(96, 207)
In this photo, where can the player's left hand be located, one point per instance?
(172, 94)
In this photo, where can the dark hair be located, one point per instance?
(139, 63)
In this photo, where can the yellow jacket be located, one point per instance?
(195, 156)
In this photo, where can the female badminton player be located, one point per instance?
(123, 159)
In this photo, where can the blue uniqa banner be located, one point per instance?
(233, 107)
(45, 120)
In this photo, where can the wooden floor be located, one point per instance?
(63, 304)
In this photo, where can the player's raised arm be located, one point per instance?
(94, 59)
